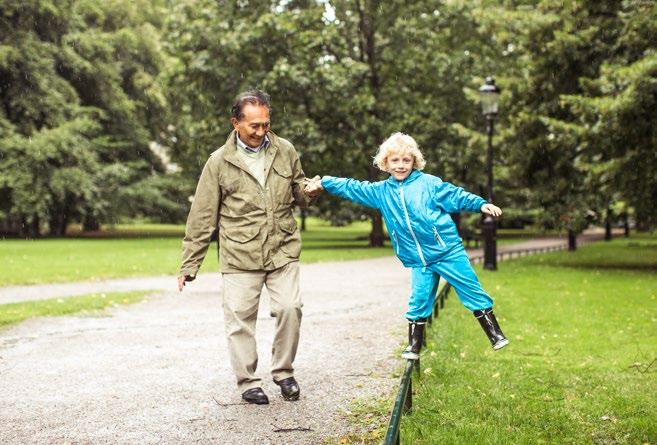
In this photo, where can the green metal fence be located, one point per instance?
(404, 400)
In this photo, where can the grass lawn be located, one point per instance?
(151, 249)
(16, 312)
(581, 366)
(154, 249)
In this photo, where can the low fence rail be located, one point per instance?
(517, 253)
(404, 400)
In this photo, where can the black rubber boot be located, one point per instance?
(415, 339)
(489, 324)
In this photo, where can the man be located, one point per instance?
(247, 191)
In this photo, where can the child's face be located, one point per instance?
(400, 165)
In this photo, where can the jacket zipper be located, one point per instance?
(408, 222)
(437, 236)
(394, 235)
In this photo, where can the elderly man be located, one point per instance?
(247, 191)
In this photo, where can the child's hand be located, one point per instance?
(491, 209)
(313, 186)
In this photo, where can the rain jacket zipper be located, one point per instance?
(394, 235)
(436, 235)
(408, 222)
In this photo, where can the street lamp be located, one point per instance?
(490, 98)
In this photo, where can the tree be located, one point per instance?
(556, 45)
(343, 76)
(80, 107)
(615, 116)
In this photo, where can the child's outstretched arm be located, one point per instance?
(360, 192)
(455, 199)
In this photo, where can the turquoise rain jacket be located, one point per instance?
(415, 210)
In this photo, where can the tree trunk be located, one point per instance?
(368, 54)
(376, 236)
(572, 240)
(608, 225)
(59, 222)
(90, 223)
(626, 225)
(57, 225)
(30, 229)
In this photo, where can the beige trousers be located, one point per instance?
(241, 296)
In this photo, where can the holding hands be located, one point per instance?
(313, 187)
(491, 209)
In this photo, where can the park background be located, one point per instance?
(110, 109)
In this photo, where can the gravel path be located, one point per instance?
(158, 371)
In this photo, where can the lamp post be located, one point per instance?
(490, 97)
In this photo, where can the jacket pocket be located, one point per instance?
(281, 183)
(290, 240)
(396, 242)
(242, 235)
(240, 248)
(288, 226)
(282, 170)
(437, 237)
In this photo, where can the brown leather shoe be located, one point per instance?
(289, 388)
(256, 396)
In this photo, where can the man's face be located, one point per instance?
(399, 165)
(253, 127)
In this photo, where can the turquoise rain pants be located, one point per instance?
(455, 268)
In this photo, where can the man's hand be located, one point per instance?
(491, 209)
(182, 279)
(313, 187)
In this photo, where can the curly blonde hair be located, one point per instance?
(399, 143)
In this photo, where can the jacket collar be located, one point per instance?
(410, 178)
(241, 144)
(234, 158)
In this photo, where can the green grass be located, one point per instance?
(154, 249)
(16, 312)
(136, 229)
(581, 364)
(367, 419)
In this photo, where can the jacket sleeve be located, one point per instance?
(202, 220)
(360, 192)
(454, 199)
(298, 186)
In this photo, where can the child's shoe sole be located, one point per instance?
(500, 344)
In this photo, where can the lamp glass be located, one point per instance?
(489, 100)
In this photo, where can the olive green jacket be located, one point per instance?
(257, 230)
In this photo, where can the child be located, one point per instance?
(415, 207)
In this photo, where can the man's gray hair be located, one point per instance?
(253, 97)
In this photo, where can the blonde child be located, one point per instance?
(415, 207)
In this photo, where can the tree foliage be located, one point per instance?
(80, 107)
(343, 76)
(89, 88)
